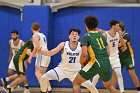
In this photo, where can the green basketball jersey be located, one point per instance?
(96, 44)
(129, 51)
(22, 53)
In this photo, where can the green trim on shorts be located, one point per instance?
(128, 62)
(16, 63)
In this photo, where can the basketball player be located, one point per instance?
(15, 44)
(98, 57)
(20, 57)
(70, 62)
(42, 62)
(127, 57)
(113, 38)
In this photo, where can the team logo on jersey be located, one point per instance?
(72, 54)
(130, 65)
(116, 39)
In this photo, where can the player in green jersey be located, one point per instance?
(94, 44)
(127, 57)
(21, 56)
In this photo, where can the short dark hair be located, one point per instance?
(14, 31)
(91, 22)
(122, 26)
(113, 22)
(75, 30)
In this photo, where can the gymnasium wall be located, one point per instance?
(56, 27)
(66, 18)
(9, 20)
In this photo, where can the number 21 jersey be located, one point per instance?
(70, 59)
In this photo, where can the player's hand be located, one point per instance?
(120, 32)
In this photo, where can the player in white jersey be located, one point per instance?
(15, 44)
(113, 37)
(70, 62)
(42, 62)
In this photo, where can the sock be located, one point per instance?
(95, 79)
(7, 79)
(8, 86)
(90, 86)
(49, 86)
(120, 79)
(138, 88)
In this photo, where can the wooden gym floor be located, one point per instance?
(61, 90)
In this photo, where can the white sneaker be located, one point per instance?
(26, 91)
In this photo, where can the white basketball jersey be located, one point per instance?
(70, 58)
(42, 41)
(15, 48)
(113, 43)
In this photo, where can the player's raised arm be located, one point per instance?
(53, 51)
(35, 39)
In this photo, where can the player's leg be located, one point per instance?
(77, 82)
(130, 67)
(114, 79)
(18, 80)
(21, 71)
(42, 64)
(106, 78)
(90, 86)
(71, 76)
(5, 80)
(95, 79)
(108, 85)
(39, 71)
(53, 74)
(135, 79)
(119, 78)
(26, 87)
(85, 74)
(11, 67)
(10, 72)
(116, 66)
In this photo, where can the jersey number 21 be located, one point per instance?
(72, 59)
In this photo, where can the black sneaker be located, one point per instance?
(50, 91)
(5, 89)
(4, 82)
(8, 90)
